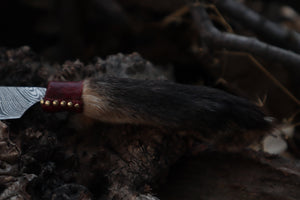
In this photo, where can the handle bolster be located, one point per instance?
(63, 96)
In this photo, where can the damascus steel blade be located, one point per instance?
(14, 101)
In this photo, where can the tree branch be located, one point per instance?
(270, 31)
(214, 38)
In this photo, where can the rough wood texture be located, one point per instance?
(247, 175)
(64, 156)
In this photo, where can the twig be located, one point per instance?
(220, 16)
(273, 79)
(214, 38)
(175, 15)
(269, 76)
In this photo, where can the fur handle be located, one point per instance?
(163, 103)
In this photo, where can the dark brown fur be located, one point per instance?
(163, 103)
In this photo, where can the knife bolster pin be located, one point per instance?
(55, 103)
(70, 104)
(63, 103)
(47, 103)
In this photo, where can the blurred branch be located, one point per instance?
(254, 60)
(270, 31)
(295, 4)
(257, 63)
(214, 38)
(111, 10)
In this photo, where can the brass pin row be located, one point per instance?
(57, 103)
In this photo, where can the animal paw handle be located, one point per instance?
(63, 96)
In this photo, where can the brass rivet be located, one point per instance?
(47, 103)
(76, 105)
(42, 101)
(55, 103)
(70, 104)
(63, 103)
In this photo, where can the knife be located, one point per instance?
(148, 102)
(58, 96)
